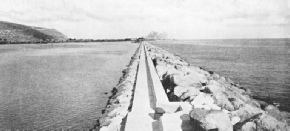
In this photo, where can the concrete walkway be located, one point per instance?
(141, 117)
(151, 109)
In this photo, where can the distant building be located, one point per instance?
(139, 40)
(128, 39)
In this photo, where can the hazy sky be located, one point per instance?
(182, 19)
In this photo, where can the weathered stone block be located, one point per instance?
(203, 120)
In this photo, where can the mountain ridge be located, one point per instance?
(13, 33)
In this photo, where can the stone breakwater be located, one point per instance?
(217, 102)
(120, 102)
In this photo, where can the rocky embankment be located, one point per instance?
(217, 102)
(120, 102)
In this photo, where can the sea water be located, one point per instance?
(60, 86)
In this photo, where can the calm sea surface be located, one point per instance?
(58, 86)
(263, 65)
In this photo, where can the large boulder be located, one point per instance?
(213, 76)
(222, 101)
(173, 60)
(249, 126)
(246, 111)
(235, 120)
(190, 94)
(114, 124)
(172, 71)
(235, 92)
(269, 123)
(237, 102)
(183, 69)
(204, 120)
(195, 69)
(254, 103)
(214, 88)
(222, 80)
(229, 80)
(194, 80)
(161, 71)
(186, 92)
(220, 98)
(247, 90)
(179, 90)
(264, 122)
(262, 104)
(276, 113)
(204, 101)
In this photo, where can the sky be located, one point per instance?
(180, 19)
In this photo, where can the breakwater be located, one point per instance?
(186, 97)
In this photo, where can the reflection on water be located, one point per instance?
(263, 65)
(58, 86)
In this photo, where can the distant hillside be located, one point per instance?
(12, 32)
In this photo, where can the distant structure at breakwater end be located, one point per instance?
(162, 92)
